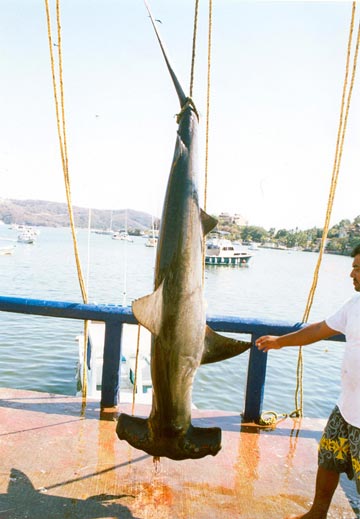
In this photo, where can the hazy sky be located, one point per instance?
(276, 85)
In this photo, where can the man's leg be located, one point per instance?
(326, 483)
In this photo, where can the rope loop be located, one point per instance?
(271, 418)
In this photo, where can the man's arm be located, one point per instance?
(307, 335)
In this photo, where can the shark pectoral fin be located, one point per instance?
(218, 347)
(208, 222)
(148, 310)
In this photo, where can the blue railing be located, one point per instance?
(115, 316)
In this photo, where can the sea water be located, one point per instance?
(41, 353)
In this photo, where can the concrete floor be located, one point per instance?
(60, 461)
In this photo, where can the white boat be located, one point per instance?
(129, 368)
(27, 235)
(151, 241)
(122, 235)
(103, 231)
(6, 250)
(253, 246)
(132, 365)
(221, 251)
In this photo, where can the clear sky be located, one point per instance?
(276, 84)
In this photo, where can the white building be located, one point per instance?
(236, 218)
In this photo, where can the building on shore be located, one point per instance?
(236, 219)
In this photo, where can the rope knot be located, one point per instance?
(189, 103)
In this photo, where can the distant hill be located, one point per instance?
(54, 214)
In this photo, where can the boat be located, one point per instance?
(153, 236)
(134, 368)
(6, 250)
(152, 241)
(135, 372)
(221, 251)
(103, 231)
(253, 246)
(27, 235)
(122, 235)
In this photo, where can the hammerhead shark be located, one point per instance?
(175, 312)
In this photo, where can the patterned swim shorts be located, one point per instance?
(339, 448)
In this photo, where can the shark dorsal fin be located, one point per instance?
(19, 483)
(148, 310)
(218, 347)
(208, 222)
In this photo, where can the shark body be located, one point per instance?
(175, 312)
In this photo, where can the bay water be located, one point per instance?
(41, 353)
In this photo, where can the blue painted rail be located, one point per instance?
(115, 316)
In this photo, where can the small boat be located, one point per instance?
(103, 231)
(122, 235)
(131, 367)
(221, 251)
(151, 241)
(6, 250)
(253, 246)
(27, 235)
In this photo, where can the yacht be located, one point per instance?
(221, 251)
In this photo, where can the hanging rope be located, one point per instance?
(194, 47)
(136, 369)
(208, 84)
(207, 124)
(344, 112)
(61, 128)
(208, 105)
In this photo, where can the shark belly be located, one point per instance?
(176, 354)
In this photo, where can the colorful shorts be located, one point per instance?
(339, 448)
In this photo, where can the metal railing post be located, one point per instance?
(111, 364)
(255, 383)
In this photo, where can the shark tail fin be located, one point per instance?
(218, 347)
(178, 87)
